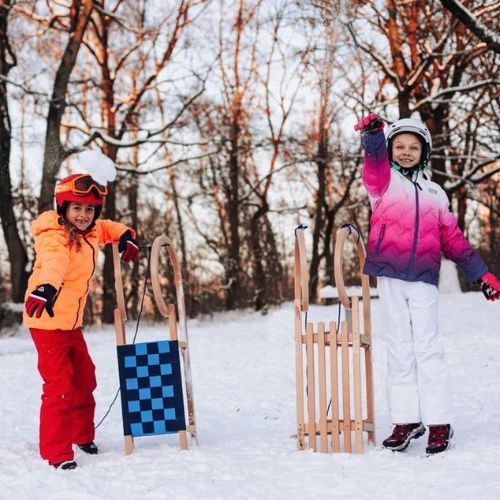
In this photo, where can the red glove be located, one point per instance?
(40, 299)
(371, 124)
(490, 286)
(129, 247)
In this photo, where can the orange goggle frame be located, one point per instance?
(82, 185)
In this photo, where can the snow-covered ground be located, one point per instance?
(244, 384)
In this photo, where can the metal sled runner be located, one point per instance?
(154, 383)
(333, 361)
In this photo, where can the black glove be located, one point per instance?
(128, 247)
(40, 299)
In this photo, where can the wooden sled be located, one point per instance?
(332, 360)
(154, 386)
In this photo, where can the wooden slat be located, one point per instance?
(172, 321)
(299, 378)
(346, 393)
(120, 334)
(311, 409)
(183, 445)
(322, 388)
(129, 444)
(370, 414)
(120, 299)
(356, 366)
(334, 391)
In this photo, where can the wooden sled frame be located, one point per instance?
(349, 341)
(168, 311)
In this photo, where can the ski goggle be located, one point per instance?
(82, 185)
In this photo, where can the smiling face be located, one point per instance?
(406, 150)
(80, 215)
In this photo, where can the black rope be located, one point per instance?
(351, 229)
(148, 247)
(300, 226)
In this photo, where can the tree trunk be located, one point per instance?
(256, 236)
(108, 283)
(17, 253)
(54, 152)
(233, 268)
(319, 217)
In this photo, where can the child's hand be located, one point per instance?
(40, 299)
(129, 247)
(371, 124)
(490, 286)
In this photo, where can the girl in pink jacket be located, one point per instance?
(411, 225)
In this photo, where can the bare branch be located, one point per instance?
(459, 11)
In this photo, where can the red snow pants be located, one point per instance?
(67, 411)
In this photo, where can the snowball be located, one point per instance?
(98, 165)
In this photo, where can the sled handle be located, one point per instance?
(158, 243)
(343, 233)
(301, 272)
(120, 298)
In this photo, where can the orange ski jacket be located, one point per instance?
(69, 271)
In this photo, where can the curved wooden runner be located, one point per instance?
(301, 305)
(322, 345)
(163, 242)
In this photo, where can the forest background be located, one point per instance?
(230, 122)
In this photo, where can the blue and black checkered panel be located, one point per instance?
(151, 388)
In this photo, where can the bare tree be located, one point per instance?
(17, 253)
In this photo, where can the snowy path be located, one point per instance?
(243, 371)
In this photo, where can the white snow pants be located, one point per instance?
(418, 382)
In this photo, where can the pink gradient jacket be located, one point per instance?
(411, 223)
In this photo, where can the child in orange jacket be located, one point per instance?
(66, 246)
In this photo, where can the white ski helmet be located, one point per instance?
(413, 126)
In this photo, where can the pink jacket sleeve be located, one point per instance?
(455, 246)
(376, 168)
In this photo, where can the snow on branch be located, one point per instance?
(473, 24)
(453, 90)
(166, 166)
(470, 178)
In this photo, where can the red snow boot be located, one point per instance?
(439, 438)
(402, 435)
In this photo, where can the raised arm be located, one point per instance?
(376, 167)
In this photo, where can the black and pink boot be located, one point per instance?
(439, 438)
(402, 435)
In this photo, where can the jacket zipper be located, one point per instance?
(380, 237)
(415, 234)
(88, 281)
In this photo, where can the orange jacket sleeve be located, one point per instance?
(109, 231)
(53, 253)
